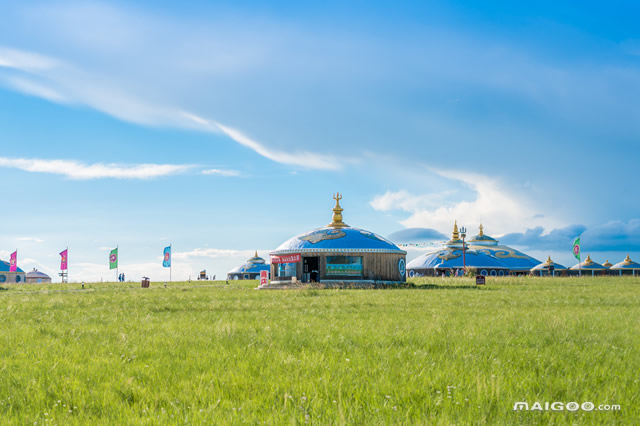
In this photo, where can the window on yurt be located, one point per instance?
(344, 266)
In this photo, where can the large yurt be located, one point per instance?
(338, 254)
(449, 260)
(250, 270)
(516, 261)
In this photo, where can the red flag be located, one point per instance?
(13, 262)
(63, 259)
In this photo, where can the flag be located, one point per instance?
(113, 259)
(166, 261)
(13, 262)
(576, 248)
(63, 259)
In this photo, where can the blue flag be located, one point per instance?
(166, 261)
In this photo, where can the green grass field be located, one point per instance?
(443, 352)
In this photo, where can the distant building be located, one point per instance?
(7, 277)
(338, 254)
(482, 253)
(38, 277)
(549, 267)
(249, 270)
(626, 267)
(588, 267)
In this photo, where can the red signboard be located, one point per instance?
(263, 278)
(289, 258)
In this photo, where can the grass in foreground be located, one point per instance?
(443, 352)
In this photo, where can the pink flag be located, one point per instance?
(13, 262)
(63, 260)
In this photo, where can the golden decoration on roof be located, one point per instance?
(588, 261)
(549, 261)
(256, 255)
(337, 213)
(481, 231)
(456, 235)
(628, 260)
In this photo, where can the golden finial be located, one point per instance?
(627, 260)
(256, 255)
(549, 261)
(456, 235)
(337, 213)
(481, 230)
(588, 260)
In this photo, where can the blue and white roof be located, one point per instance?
(627, 264)
(337, 237)
(254, 264)
(545, 265)
(4, 267)
(588, 265)
(451, 258)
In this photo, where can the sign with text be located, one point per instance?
(480, 280)
(289, 258)
(263, 278)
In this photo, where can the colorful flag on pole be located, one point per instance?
(13, 262)
(113, 259)
(166, 261)
(576, 248)
(63, 259)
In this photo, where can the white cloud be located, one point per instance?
(26, 61)
(221, 172)
(80, 171)
(217, 253)
(31, 239)
(499, 210)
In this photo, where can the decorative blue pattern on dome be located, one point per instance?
(340, 239)
(452, 258)
(513, 259)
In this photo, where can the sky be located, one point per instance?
(222, 128)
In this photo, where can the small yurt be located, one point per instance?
(37, 277)
(8, 277)
(548, 267)
(250, 270)
(338, 254)
(627, 267)
(588, 267)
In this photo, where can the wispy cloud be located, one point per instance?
(221, 172)
(81, 171)
(63, 83)
(216, 253)
(30, 239)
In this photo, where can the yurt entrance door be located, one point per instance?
(309, 269)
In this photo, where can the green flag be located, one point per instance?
(113, 259)
(576, 248)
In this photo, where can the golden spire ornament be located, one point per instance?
(456, 235)
(337, 213)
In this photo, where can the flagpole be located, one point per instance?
(67, 250)
(117, 262)
(170, 262)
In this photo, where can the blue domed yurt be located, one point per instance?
(250, 270)
(7, 277)
(338, 253)
(626, 267)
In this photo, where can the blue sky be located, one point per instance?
(224, 128)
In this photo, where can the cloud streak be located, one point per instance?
(76, 170)
(59, 82)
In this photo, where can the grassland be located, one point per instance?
(443, 352)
